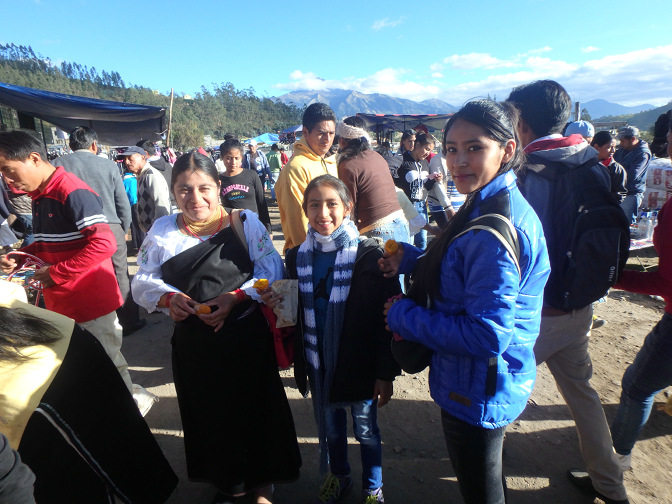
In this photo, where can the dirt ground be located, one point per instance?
(540, 446)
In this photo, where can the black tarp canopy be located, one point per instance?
(115, 123)
(383, 124)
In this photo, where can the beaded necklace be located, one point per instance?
(206, 228)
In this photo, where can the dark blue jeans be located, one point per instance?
(365, 426)
(476, 456)
(650, 372)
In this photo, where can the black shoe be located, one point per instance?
(127, 331)
(581, 480)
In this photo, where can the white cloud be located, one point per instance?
(589, 49)
(437, 75)
(436, 67)
(631, 78)
(539, 51)
(386, 23)
(472, 61)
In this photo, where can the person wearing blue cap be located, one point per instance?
(583, 128)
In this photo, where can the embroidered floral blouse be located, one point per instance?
(165, 241)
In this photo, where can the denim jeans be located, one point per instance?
(396, 230)
(365, 426)
(476, 456)
(274, 179)
(630, 205)
(645, 377)
(27, 220)
(420, 239)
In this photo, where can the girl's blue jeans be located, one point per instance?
(650, 372)
(420, 239)
(365, 426)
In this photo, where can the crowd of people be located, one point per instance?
(531, 227)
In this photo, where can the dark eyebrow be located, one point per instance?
(473, 140)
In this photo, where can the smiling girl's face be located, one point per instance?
(472, 157)
(325, 210)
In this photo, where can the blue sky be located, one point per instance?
(442, 49)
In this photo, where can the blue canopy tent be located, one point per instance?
(267, 138)
(115, 123)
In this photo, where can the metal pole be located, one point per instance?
(577, 111)
(44, 138)
(170, 119)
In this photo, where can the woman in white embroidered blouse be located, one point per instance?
(199, 267)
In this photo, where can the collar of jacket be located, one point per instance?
(302, 148)
(506, 180)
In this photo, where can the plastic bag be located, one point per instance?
(287, 309)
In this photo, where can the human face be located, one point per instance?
(422, 151)
(134, 163)
(325, 210)
(409, 143)
(197, 195)
(232, 160)
(473, 158)
(628, 143)
(253, 148)
(321, 137)
(22, 175)
(606, 151)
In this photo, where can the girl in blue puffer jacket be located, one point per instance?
(480, 315)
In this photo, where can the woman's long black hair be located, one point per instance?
(499, 120)
(355, 146)
(19, 329)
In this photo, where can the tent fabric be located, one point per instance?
(115, 123)
(293, 129)
(386, 122)
(267, 138)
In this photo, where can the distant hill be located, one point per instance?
(347, 103)
(601, 108)
(643, 120)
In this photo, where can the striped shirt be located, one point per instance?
(72, 235)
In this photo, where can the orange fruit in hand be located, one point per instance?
(202, 309)
(261, 284)
(391, 247)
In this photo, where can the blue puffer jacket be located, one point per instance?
(485, 311)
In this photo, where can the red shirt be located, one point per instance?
(72, 235)
(656, 283)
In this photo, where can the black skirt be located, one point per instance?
(238, 428)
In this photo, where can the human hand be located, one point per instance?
(435, 230)
(223, 304)
(43, 276)
(450, 212)
(389, 264)
(269, 298)
(181, 306)
(7, 265)
(382, 392)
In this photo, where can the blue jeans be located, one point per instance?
(420, 239)
(27, 220)
(476, 456)
(396, 230)
(365, 426)
(650, 373)
(274, 179)
(630, 205)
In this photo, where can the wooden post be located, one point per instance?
(170, 118)
(577, 111)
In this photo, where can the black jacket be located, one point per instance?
(364, 353)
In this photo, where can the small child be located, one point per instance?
(345, 350)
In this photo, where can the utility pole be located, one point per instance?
(577, 111)
(170, 119)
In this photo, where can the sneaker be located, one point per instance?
(582, 481)
(334, 489)
(373, 496)
(598, 322)
(625, 461)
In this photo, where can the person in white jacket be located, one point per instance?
(153, 193)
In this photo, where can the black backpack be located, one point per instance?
(589, 240)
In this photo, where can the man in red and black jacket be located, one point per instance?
(72, 237)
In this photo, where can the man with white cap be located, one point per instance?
(634, 155)
(256, 160)
(583, 128)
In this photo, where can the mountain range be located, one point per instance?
(347, 102)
